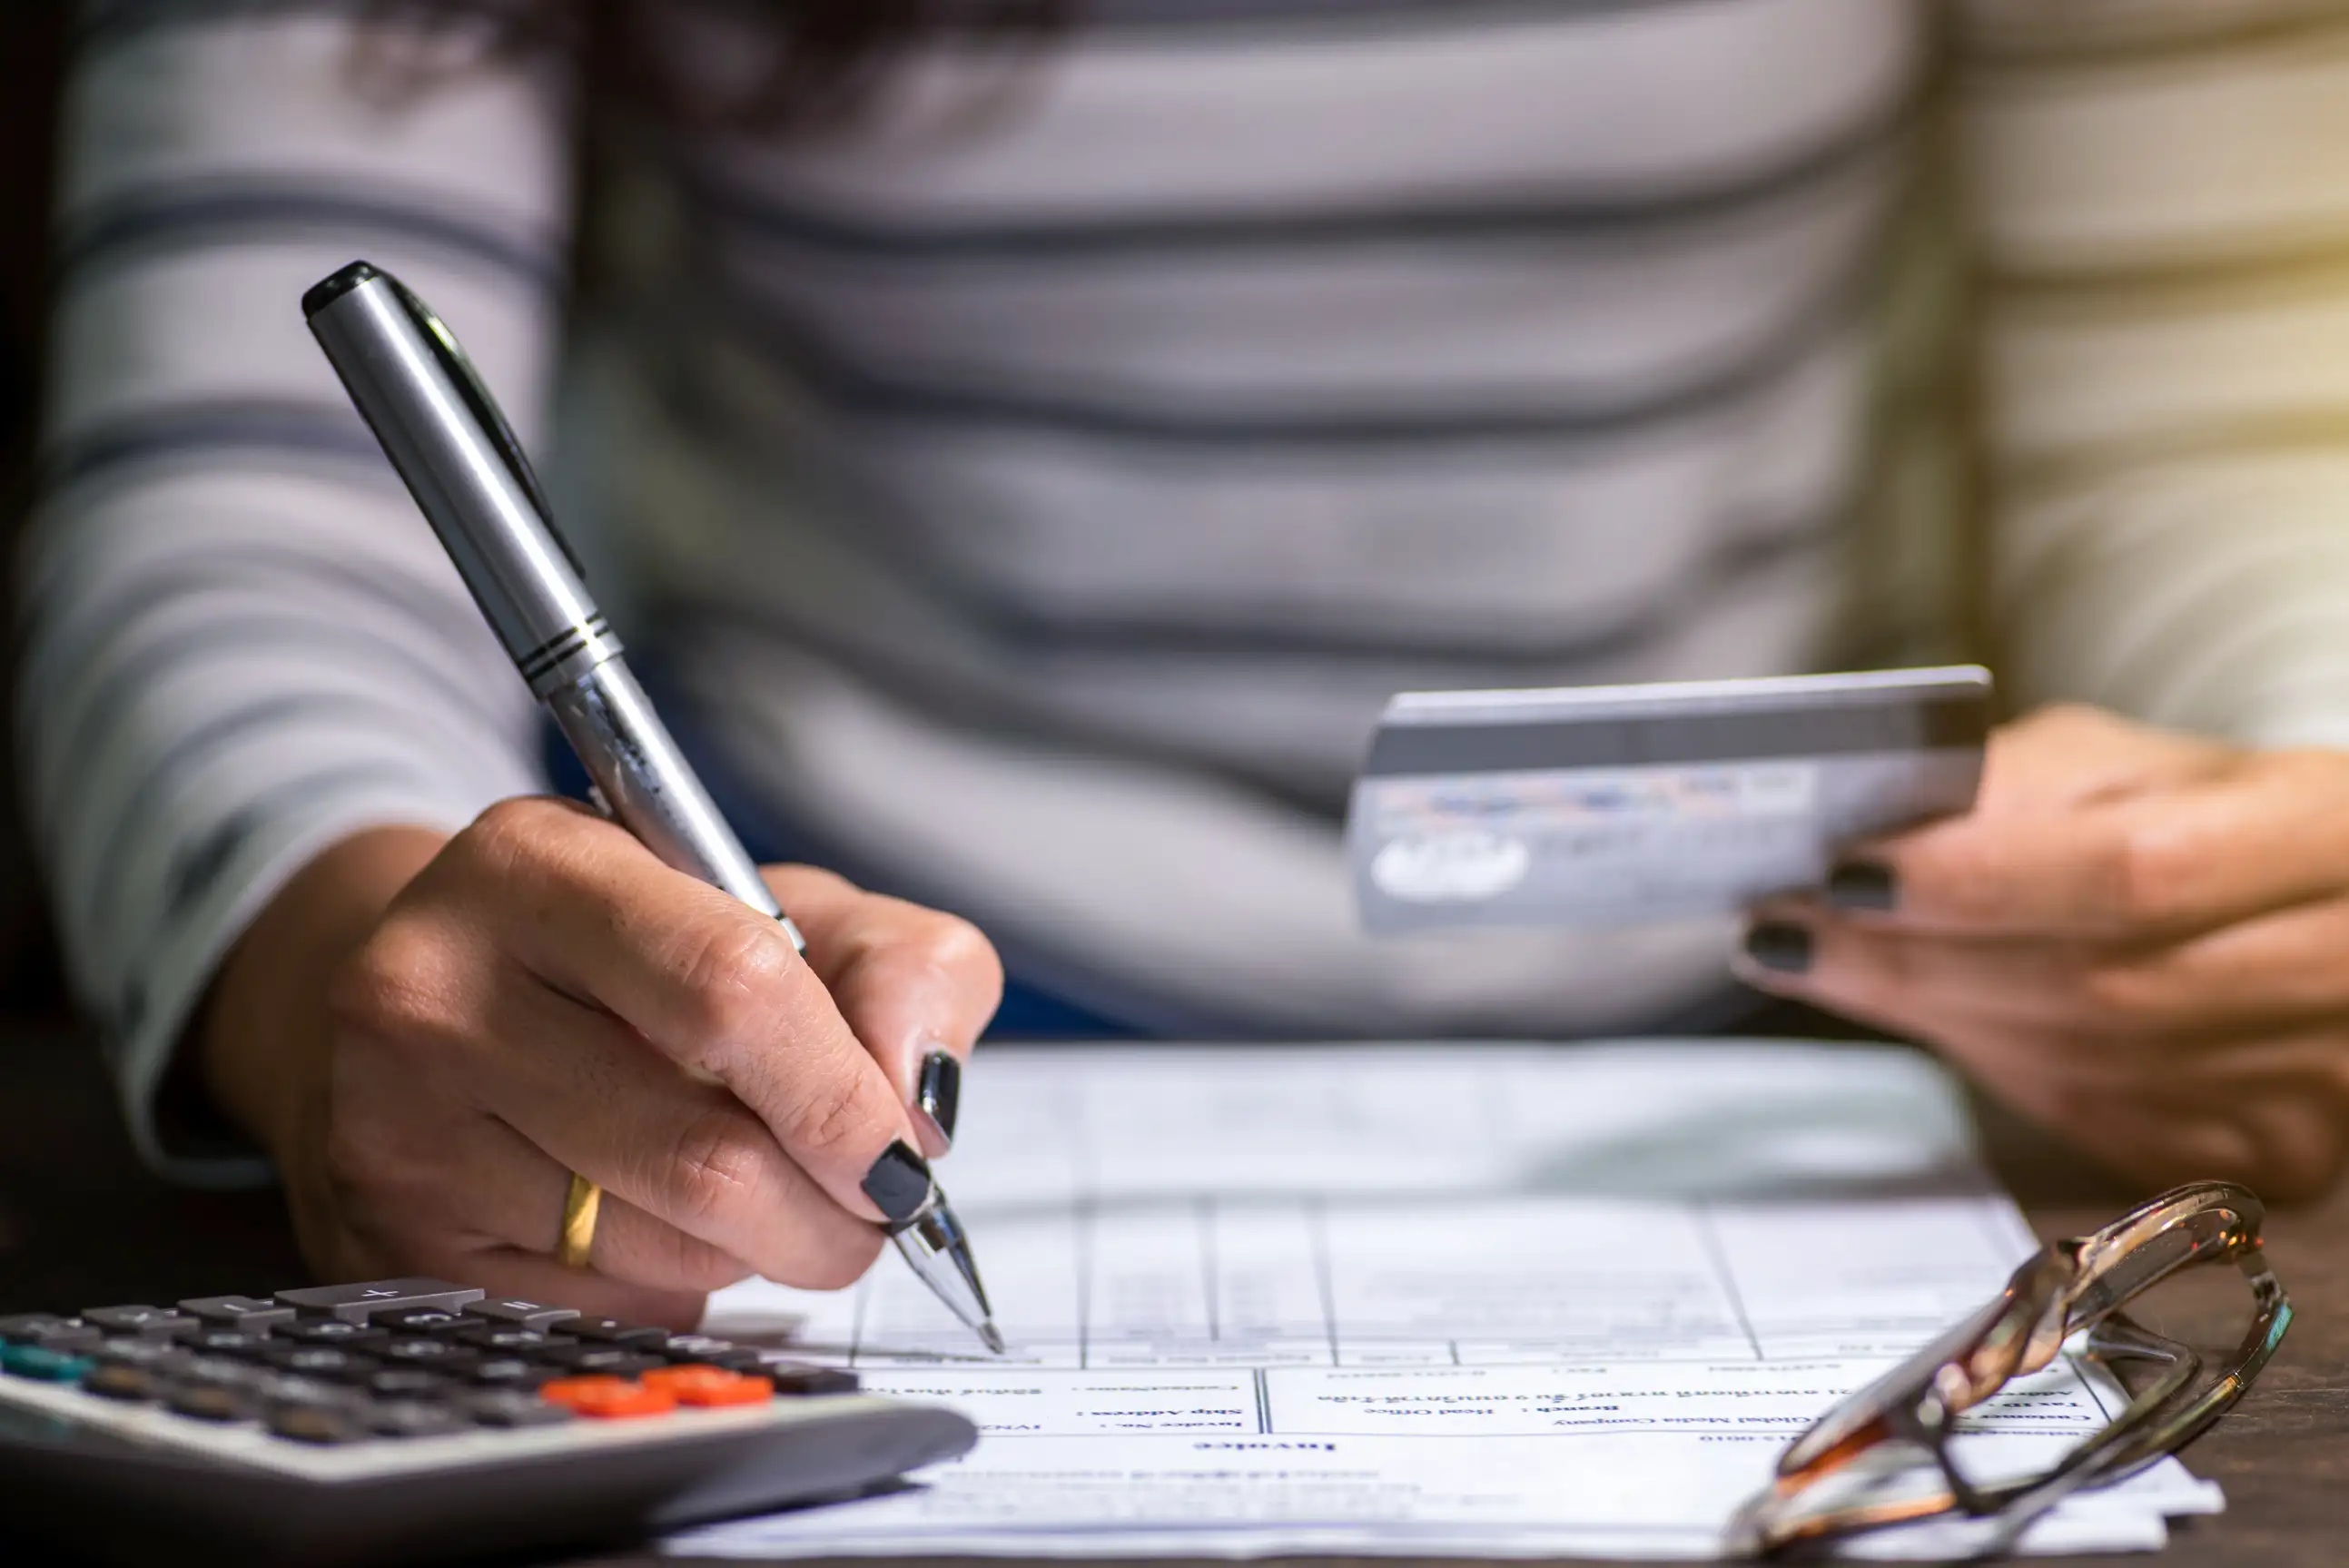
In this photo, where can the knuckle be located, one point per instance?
(2129, 994)
(507, 827)
(365, 1147)
(1961, 879)
(367, 1169)
(518, 836)
(829, 1116)
(2305, 1139)
(732, 974)
(962, 948)
(816, 882)
(395, 986)
(2287, 1169)
(715, 1166)
(2145, 879)
(349, 1153)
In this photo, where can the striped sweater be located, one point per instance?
(1033, 488)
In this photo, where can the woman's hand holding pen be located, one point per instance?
(430, 1033)
(2139, 938)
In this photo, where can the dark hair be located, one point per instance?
(831, 55)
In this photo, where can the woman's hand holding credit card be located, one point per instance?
(2124, 932)
(1623, 805)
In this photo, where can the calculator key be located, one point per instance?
(340, 1333)
(710, 1352)
(505, 1341)
(219, 1370)
(25, 1325)
(143, 1322)
(803, 1377)
(518, 1313)
(132, 1385)
(612, 1331)
(423, 1320)
(611, 1360)
(693, 1347)
(46, 1328)
(514, 1372)
(412, 1418)
(151, 1355)
(709, 1388)
(248, 1313)
(507, 1408)
(43, 1364)
(437, 1355)
(409, 1383)
(321, 1361)
(323, 1425)
(292, 1388)
(234, 1342)
(360, 1303)
(212, 1402)
(608, 1398)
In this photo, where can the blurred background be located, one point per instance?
(78, 1215)
(30, 48)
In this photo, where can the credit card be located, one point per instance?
(1634, 804)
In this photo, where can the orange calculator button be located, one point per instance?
(707, 1387)
(607, 1396)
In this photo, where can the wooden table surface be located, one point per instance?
(80, 1221)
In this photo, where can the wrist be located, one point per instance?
(259, 1040)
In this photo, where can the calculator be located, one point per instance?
(410, 1420)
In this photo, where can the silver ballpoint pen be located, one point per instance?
(443, 433)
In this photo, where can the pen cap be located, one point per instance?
(453, 447)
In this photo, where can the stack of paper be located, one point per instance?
(1489, 1301)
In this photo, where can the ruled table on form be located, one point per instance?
(1322, 1296)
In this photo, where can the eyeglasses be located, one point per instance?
(1857, 1469)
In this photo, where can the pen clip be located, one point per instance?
(476, 394)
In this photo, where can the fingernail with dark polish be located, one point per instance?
(1863, 884)
(1779, 945)
(899, 1182)
(939, 1094)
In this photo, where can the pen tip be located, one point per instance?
(992, 1337)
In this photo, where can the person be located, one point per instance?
(1034, 439)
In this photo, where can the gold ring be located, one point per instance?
(579, 1207)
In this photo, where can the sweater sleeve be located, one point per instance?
(242, 642)
(2161, 198)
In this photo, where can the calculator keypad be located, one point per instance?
(43, 1363)
(48, 1330)
(520, 1313)
(612, 1331)
(435, 1355)
(146, 1321)
(393, 1360)
(362, 1303)
(245, 1312)
(133, 1384)
(340, 1333)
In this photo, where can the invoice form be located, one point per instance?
(1485, 1300)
